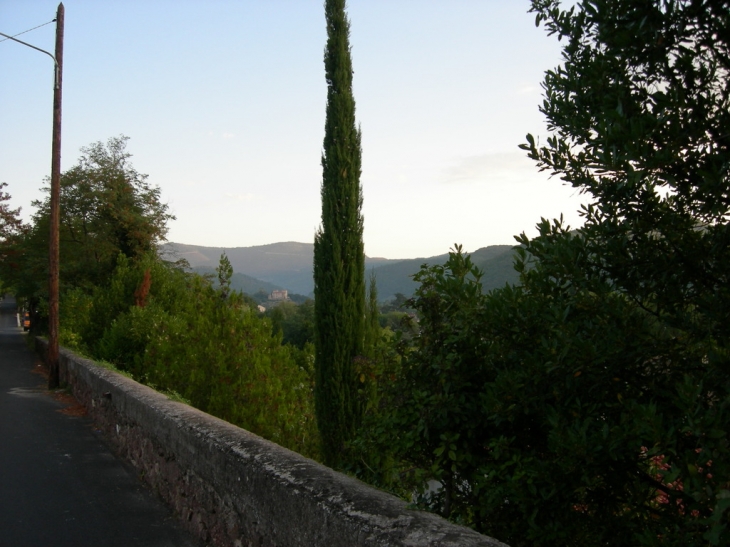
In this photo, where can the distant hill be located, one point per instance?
(289, 266)
(495, 261)
(241, 282)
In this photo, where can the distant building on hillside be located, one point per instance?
(279, 296)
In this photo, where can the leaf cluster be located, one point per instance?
(541, 411)
(11, 232)
(590, 403)
(206, 344)
(106, 208)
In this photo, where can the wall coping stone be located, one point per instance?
(233, 488)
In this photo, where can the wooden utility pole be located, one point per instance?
(53, 247)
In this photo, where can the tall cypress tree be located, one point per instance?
(339, 259)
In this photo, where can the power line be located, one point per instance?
(39, 26)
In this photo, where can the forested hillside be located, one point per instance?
(289, 266)
(240, 282)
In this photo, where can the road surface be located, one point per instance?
(60, 486)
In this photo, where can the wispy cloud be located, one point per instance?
(499, 167)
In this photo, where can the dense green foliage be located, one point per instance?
(590, 403)
(295, 322)
(339, 258)
(586, 405)
(107, 208)
(550, 412)
(10, 223)
(180, 332)
(174, 331)
(11, 229)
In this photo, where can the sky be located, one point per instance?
(224, 101)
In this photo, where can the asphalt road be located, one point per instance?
(60, 486)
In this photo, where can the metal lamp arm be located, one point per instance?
(55, 63)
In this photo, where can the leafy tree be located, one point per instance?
(260, 296)
(295, 322)
(393, 320)
(640, 110)
(11, 229)
(397, 303)
(339, 259)
(550, 412)
(590, 404)
(173, 330)
(10, 223)
(225, 273)
(107, 208)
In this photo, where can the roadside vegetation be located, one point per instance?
(589, 404)
(586, 404)
(172, 329)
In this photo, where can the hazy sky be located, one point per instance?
(224, 104)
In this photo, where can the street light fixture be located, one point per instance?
(55, 63)
(53, 377)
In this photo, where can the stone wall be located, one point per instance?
(233, 488)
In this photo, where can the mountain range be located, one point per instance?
(288, 266)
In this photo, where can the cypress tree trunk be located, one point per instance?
(339, 260)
